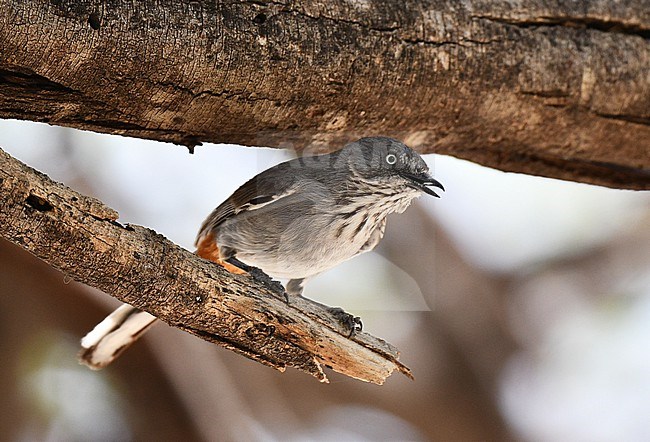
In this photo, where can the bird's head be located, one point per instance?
(385, 160)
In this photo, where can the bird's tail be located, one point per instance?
(113, 335)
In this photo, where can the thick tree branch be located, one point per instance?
(560, 89)
(81, 237)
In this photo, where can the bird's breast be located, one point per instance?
(299, 241)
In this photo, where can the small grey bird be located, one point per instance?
(293, 221)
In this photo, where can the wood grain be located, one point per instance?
(559, 89)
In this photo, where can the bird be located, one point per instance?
(293, 221)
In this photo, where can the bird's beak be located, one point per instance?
(422, 182)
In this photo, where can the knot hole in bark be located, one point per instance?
(93, 21)
(38, 203)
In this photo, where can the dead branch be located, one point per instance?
(82, 238)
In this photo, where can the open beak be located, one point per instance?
(423, 182)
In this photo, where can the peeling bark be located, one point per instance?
(545, 88)
(82, 238)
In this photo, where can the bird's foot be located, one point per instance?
(351, 323)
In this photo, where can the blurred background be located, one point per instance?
(521, 303)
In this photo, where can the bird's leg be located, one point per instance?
(295, 287)
(227, 258)
(239, 265)
(350, 322)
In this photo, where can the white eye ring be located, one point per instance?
(391, 159)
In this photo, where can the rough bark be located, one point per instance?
(246, 313)
(560, 89)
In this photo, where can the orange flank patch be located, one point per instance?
(208, 249)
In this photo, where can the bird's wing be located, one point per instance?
(265, 188)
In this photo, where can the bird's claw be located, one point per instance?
(350, 322)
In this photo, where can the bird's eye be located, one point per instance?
(391, 159)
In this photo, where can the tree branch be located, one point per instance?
(557, 89)
(245, 313)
